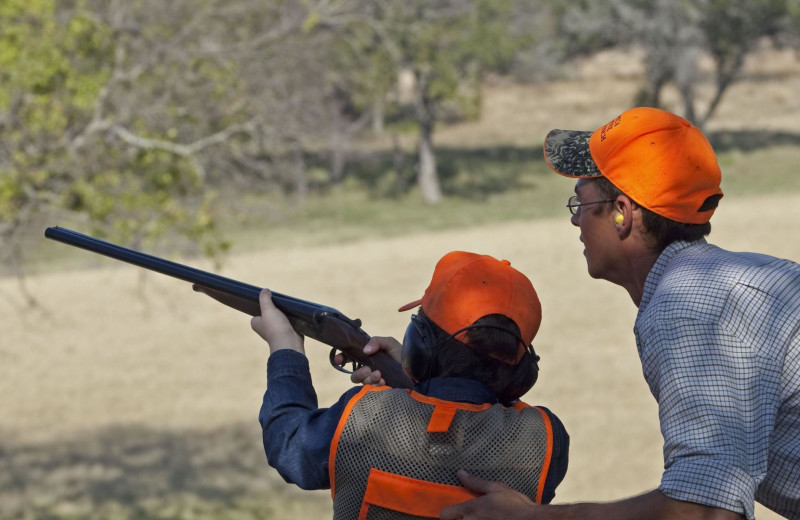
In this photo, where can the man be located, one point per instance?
(718, 333)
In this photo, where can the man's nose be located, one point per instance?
(575, 219)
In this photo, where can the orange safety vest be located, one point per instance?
(395, 453)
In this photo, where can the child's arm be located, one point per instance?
(274, 326)
(296, 433)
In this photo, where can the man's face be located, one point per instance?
(598, 232)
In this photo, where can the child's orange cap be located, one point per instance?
(657, 158)
(467, 286)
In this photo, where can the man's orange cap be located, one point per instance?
(467, 286)
(658, 159)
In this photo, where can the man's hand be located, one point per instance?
(365, 375)
(499, 502)
(274, 326)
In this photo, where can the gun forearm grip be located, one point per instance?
(244, 305)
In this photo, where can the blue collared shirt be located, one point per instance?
(297, 433)
(718, 334)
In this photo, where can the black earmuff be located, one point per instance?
(419, 345)
(522, 379)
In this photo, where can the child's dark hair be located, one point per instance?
(456, 359)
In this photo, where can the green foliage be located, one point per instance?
(54, 68)
(50, 76)
(447, 47)
(156, 196)
(11, 194)
(492, 44)
(58, 67)
(793, 7)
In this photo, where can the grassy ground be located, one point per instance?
(351, 214)
(503, 185)
(127, 396)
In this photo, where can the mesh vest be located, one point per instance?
(395, 453)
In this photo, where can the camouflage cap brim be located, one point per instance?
(567, 153)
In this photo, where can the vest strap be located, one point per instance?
(410, 496)
(441, 418)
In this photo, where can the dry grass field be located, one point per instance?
(126, 395)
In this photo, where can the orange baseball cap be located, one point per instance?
(658, 159)
(467, 286)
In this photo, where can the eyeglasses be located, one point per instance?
(574, 203)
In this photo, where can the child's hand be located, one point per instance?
(274, 327)
(365, 375)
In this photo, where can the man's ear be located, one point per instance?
(623, 216)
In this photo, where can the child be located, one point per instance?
(381, 449)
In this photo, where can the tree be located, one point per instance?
(75, 126)
(447, 47)
(132, 116)
(732, 28)
(675, 34)
(50, 73)
(128, 114)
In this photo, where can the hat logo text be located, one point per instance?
(609, 126)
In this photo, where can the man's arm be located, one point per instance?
(500, 502)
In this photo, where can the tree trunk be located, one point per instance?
(378, 112)
(687, 94)
(401, 181)
(338, 153)
(426, 176)
(300, 177)
(649, 94)
(726, 75)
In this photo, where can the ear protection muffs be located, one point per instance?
(419, 345)
(522, 380)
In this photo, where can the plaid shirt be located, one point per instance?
(718, 334)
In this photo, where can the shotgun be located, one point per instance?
(322, 323)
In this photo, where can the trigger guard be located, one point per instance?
(354, 363)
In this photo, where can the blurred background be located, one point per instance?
(333, 150)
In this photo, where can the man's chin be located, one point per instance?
(594, 273)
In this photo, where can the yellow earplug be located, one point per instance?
(618, 220)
